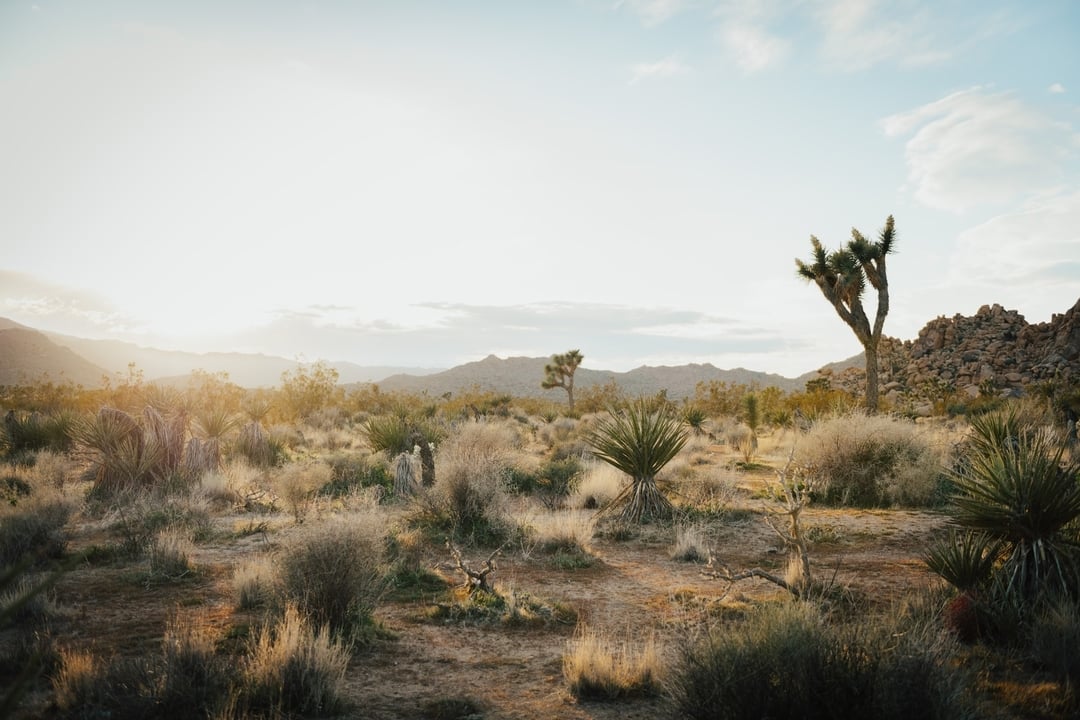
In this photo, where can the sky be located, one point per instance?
(425, 183)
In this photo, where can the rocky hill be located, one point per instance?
(994, 351)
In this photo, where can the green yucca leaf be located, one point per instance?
(638, 442)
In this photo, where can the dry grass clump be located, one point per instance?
(559, 430)
(194, 679)
(567, 535)
(51, 469)
(691, 544)
(469, 499)
(170, 554)
(254, 583)
(335, 574)
(33, 530)
(297, 483)
(293, 668)
(600, 484)
(872, 460)
(597, 667)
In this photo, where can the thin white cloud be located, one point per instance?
(858, 34)
(1056, 89)
(745, 32)
(653, 12)
(753, 47)
(668, 67)
(1024, 255)
(972, 148)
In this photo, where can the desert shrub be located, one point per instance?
(1054, 637)
(194, 680)
(89, 687)
(350, 471)
(691, 544)
(297, 483)
(552, 482)
(33, 529)
(872, 460)
(785, 661)
(170, 554)
(258, 447)
(25, 433)
(335, 574)
(600, 483)
(293, 668)
(468, 500)
(50, 469)
(597, 667)
(254, 583)
(141, 518)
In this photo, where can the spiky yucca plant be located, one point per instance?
(639, 442)
(1017, 489)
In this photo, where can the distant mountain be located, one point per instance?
(244, 369)
(521, 376)
(28, 356)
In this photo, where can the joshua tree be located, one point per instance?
(560, 373)
(640, 442)
(842, 276)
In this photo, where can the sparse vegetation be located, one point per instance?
(197, 593)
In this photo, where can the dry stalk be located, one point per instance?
(475, 580)
(793, 490)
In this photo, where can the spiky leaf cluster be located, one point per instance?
(637, 441)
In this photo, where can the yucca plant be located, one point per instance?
(639, 442)
(1017, 489)
(965, 560)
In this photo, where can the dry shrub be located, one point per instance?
(170, 554)
(600, 484)
(297, 483)
(871, 460)
(691, 544)
(34, 529)
(293, 668)
(75, 682)
(469, 498)
(194, 679)
(254, 583)
(51, 469)
(712, 491)
(787, 661)
(335, 574)
(557, 431)
(597, 667)
(568, 531)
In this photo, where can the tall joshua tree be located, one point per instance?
(560, 373)
(842, 276)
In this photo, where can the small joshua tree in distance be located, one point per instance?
(560, 373)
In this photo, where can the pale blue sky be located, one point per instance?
(425, 183)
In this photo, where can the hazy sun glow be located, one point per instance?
(374, 182)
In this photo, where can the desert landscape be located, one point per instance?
(202, 550)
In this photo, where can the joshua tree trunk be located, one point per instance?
(870, 350)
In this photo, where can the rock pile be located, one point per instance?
(993, 352)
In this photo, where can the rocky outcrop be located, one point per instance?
(994, 351)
